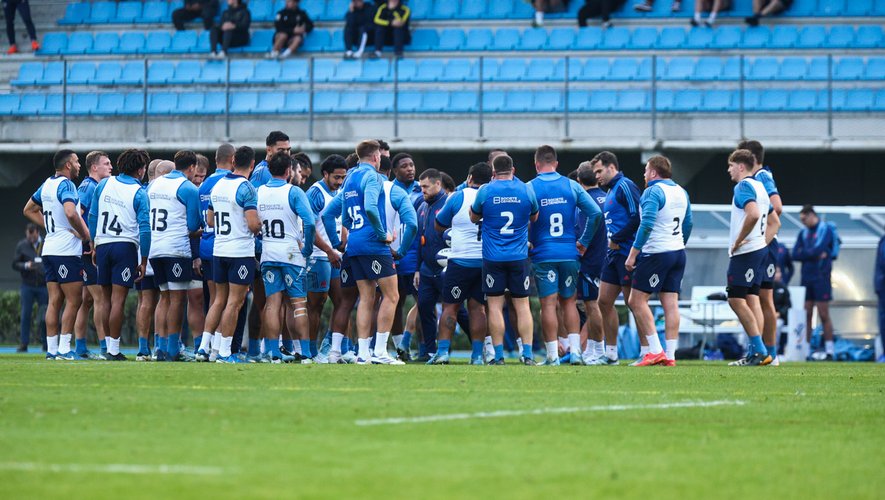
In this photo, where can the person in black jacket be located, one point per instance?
(391, 26)
(234, 29)
(27, 261)
(358, 27)
(205, 9)
(292, 25)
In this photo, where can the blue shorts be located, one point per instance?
(406, 284)
(588, 287)
(233, 270)
(770, 265)
(372, 267)
(818, 291)
(659, 272)
(280, 277)
(461, 283)
(172, 273)
(745, 270)
(117, 263)
(557, 277)
(613, 270)
(147, 283)
(63, 269)
(90, 276)
(499, 277)
(206, 268)
(318, 278)
(346, 273)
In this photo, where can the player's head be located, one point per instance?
(605, 167)
(292, 4)
(448, 184)
(808, 216)
(404, 168)
(234, 3)
(186, 162)
(756, 148)
(152, 168)
(385, 166)
(224, 156)
(66, 162)
(334, 169)
(369, 151)
(657, 168)
(573, 175)
(586, 175)
(545, 159)
(32, 232)
(494, 154)
(385, 148)
(479, 174)
(740, 164)
(201, 170)
(133, 162)
(503, 166)
(431, 183)
(276, 141)
(280, 166)
(98, 165)
(305, 164)
(244, 160)
(352, 160)
(162, 168)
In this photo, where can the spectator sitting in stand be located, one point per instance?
(542, 6)
(234, 29)
(391, 26)
(358, 27)
(599, 8)
(765, 8)
(205, 9)
(714, 7)
(292, 25)
(647, 5)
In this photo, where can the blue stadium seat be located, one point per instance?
(102, 13)
(840, 37)
(596, 69)
(105, 43)
(186, 72)
(316, 9)
(793, 68)
(786, 37)
(561, 39)
(133, 104)
(317, 41)
(352, 102)
(182, 42)
(29, 73)
(773, 100)
(155, 12)
(107, 73)
(532, 39)
(156, 42)
(79, 43)
(131, 74)
(699, 38)
(575, 69)
(162, 103)
(602, 100)
(803, 100)
(505, 39)
(406, 70)
(879, 103)
(425, 39)
(53, 43)
(644, 38)
(473, 10)
(829, 8)
(128, 12)
(664, 99)
(632, 101)
(707, 69)
(325, 102)
(191, 103)
(463, 102)
(110, 104)
(818, 69)
(756, 38)
(206, 73)
(688, 101)
(243, 102)
(377, 71)
(408, 101)
(589, 38)
(8, 104)
(75, 13)
(296, 102)
(522, 9)
(32, 104)
(270, 102)
(269, 71)
(324, 70)
(444, 10)
(544, 69)
(731, 69)
(764, 68)
(578, 100)
(546, 101)
(346, 71)
(429, 70)
(518, 101)
(493, 101)
(131, 43)
(849, 68)
(262, 40)
(501, 9)
(624, 69)
(291, 71)
(719, 100)
(615, 38)
(853, 99)
(81, 73)
(459, 70)
(421, 9)
(241, 71)
(82, 104)
(451, 39)
(160, 72)
(727, 37)
(803, 8)
(869, 37)
(682, 68)
(511, 70)
(857, 8)
(379, 102)
(672, 38)
(875, 69)
(262, 10)
(53, 73)
(643, 72)
(434, 101)
(477, 39)
(812, 37)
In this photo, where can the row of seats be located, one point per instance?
(128, 12)
(516, 101)
(503, 39)
(452, 70)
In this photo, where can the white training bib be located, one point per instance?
(61, 239)
(465, 241)
(169, 234)
(756, 239)
(117, 221)
(320, 227)
(666, 234)
(282, 229)
(232, 236)
(391, 214)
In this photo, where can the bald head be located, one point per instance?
(152, 168)
(163, 168)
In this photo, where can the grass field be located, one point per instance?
(95, 430)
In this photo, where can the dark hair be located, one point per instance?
(606, 158)
(480, 173)
(382, 145)
(243, 157)
(304, 160)
(545, 155)
(432, 174)
(661, 165)
(495, 152)
(93, 157)
(754, 147)
(184, 159)
(352, 160)
(366, 149)
(62, 157)
(333, 163)
(203, 162)
(225, 153)
(132, 160)
(743, 157)
(275, 137)
(278, 163)
(399, 157)
(573, 175)
(32, 228)
(447, 182)
(807, 209)
(585, 174)
(502, 164)
(385, 166)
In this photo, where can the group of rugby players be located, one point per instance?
(367, 236)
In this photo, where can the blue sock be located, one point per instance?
(273, 347)
(772, 350)
(407, 340)
(313, 349)
(758, 346)
(197, 341)
(173, 344)
(161, 343)
(289, 345)
(255, 347)
(422, 350)
(477, 349)
(372, 343)
(527, 351)
(499, 351)
(103, 345)
(81, 346)
(305, 347)
(143, 346)
(443, 347)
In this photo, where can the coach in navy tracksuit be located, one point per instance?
(879, 282)
(430, 273)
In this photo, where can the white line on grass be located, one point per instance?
(545, 411)
(114, 468)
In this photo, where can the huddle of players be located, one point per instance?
(356, 220)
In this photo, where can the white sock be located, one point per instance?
(539, 17)
(563, 342)
(829, 345)
(654, 343)
(113, 346)
(297, 349)
(216, 341)
(643, 350)
(552, 350)
(600, 349)
(336, 342)
(611, 352)
(519, 345)
(697, 17)
(286, 53)
(363, 346)
(672, 344)
(64, 343)
(224, 349)
(381, 343)
(206, 342)
(712, 18)
(261, 346)
(363, 40)
(574, 343)
(52, 344)
(398, 340)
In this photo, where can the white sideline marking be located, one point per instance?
(545, 411)
(114, 468)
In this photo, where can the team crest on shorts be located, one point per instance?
(176, 270)
(770, 270)
(288, 280)
(456, 292)
(63, 271)
(526, 283)
(343, 275)
(490, 282)
(551, 276)
(269, 276)
(654, 280)
(243, 272)
(568, 281)
(749, 275)
(126, 274)
(376, 267)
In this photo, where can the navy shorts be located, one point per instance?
(745, 270)
(659, 272)
(117, 263)
(207, 269)
(147, 283)
(588, 287)
(172, 273)
(499, 277)
(461, 283)
(613, 270)
(406, 285)
(372, 267)
(346, 273)
(769, 266)
(817, 291)
(63, 269)
(233, 270)
(557, 277)
(90, 272)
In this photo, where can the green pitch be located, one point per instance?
(94, 430)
